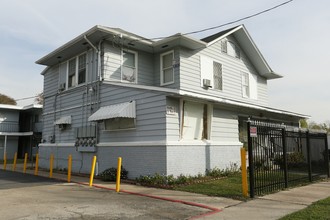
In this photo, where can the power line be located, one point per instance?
(231, 22)
(25, 98)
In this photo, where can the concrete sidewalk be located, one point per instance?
(272, 206)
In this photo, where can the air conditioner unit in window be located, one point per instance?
(207, 83)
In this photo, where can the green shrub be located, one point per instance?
(111, 174)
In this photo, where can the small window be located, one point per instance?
(166, 66)
(72, 73)
(245, 85)
(119, 124)
(129, 67)
(82, 69)
(231, 49)
(77, 71)
(217, 75)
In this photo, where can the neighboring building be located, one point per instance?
(20, 129)
(173, 106)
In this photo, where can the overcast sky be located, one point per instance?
(294, 39)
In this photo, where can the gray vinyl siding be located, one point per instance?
(224, 126)
(112, 65)
(232, 68)
(173, 120)
(150, 114)
(51, 81)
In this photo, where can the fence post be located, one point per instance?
(92, 172)
(36, 165)
(4, 161)
(69, 167)
(15, 160)
(309, 160)
(25, 161)
(244, 173)
(285, 158)
(118, 174)
(251, 166)
(326, 152)
(51, 161)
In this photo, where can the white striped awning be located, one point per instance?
(122, 110)
(65, 120)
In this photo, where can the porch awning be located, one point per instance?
(122, 110)
(65, 120)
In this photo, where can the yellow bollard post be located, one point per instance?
(244, 173)
(69, 168)
(15, 160)
(36, 165)
(92, 171)
(25, 161)
(118, 175)
(51, 162)
(4, 161)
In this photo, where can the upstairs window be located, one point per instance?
(217, 75)
(82, 69)
(129, 67)
(166, 68)
(250, 86)
(211, 73)
(231, 49)
(245, 85)
(77, 71)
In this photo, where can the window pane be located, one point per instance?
(217, 75)
(82, 76)
(82, 62)
(167, 60)
(128, 59)
(72, 67)
(128, 74)
(119, 123)
(168, 75)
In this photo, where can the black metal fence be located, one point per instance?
(281, 156)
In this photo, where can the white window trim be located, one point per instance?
(136, 65)
(207, 73)
(76, 73)
(161, 68)
(243, 85)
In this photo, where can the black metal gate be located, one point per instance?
(281, 156)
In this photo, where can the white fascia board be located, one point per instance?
(12, 107)
(225, 35)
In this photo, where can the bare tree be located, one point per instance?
(4, 99)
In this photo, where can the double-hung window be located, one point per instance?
(231, 49)
(129, 67)
(217, 75)
(166, 68)
(77, 71)
(245, 85)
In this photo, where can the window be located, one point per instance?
(77, 71)
(212, 71)
(82, 69)
(231, 49)
(195, 122)
(217, 75)
(119, 123)
(166, 68)
(129, 67)
(72, 73)
(250, 86)
(245, 85)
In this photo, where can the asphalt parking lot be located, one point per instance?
(25, 196)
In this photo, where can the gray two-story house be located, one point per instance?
(173, 106)
(20, 130)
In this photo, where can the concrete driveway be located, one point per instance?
(25, 196)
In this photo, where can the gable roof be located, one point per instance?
(249, 47)
(97, 34)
